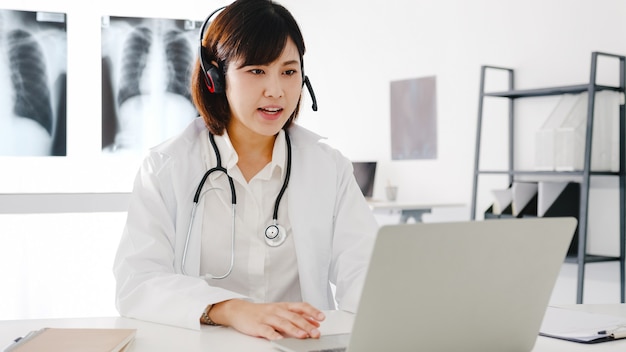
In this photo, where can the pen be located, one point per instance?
(19, 340)
(9, 346)
(618, 334)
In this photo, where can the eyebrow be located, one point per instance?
(291, 62)
(285, 63)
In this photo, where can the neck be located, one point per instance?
(252, 144)
(254, 151)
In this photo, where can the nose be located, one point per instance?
(274, 86)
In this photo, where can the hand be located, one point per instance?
(269, 320)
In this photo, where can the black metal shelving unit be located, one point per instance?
(583, 176)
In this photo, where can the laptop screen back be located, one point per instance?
(365, 173)
(461, 286)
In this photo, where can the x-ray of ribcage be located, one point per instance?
(146, 75)
(33, 70)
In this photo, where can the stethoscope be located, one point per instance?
(274, 234)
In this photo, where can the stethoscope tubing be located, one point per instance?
(287, 177)
(198, 194)
(232, 240)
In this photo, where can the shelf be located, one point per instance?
(578, 204)
(547, 173)
(590, 258)
(540, 92)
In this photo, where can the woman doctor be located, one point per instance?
(245, 219)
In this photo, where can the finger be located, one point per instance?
(307, 310)
(269, 333)
(296, 325)
(312, 315)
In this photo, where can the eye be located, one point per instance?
(290, 72)
(256, 71)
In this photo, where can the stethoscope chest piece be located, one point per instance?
(275, 235)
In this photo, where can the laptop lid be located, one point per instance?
(365, 174)
(459, 286)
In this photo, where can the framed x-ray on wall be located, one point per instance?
(33, 75)
(146, 75)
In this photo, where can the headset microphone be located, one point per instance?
(310, 89)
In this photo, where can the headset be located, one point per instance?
(214, 75)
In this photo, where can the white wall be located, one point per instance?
(354, 50)
(58, 265)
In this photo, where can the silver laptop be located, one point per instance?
(459, 286)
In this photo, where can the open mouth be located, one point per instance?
(270, 111)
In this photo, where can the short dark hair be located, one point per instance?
(254, 31)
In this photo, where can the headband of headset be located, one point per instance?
(214, 75)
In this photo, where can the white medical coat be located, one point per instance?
(333, 230)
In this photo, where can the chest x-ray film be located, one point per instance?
(33, 70)
(146, 74)
(414, 118)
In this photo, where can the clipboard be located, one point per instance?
(582, 327)
(70, 340)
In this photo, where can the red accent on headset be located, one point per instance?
(209, 83)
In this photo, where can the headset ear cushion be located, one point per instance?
(215, 80)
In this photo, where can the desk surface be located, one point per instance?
(386, 205)
(156, 338)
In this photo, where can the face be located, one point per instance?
(262, 97)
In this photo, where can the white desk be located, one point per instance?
(409, 210)
(156, 338)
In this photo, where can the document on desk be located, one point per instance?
(74, 340)
(580, 326)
